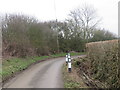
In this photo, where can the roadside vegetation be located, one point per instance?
(72, 80)
(27, 40)
(27, 36)
(104, 61)
(15, 65)
(99, 69)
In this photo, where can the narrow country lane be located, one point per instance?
(47, 74)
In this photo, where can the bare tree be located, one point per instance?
(83, 20)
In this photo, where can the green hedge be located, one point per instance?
(104, 63)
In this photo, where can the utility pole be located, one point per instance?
(57, 37)
(56, 27)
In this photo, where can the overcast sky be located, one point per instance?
(44, 9)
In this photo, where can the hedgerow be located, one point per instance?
(104, 62)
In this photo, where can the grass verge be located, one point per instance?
(80, 76)
(72, 80)
(14, 65)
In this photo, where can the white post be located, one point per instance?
(69, 63)
(66, 59)
(69, 66)
(69, 58)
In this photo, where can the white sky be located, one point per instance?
(44, 9)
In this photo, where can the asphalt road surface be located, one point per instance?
(46, 74)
